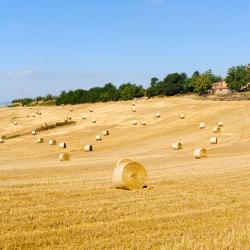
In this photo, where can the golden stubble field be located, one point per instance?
(188, 204)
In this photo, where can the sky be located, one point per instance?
(47, 46)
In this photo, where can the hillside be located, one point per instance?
(188, 204)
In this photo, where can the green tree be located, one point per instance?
(174, 83)
(203, 82)
(188, 85)
(109, 93)
(128, 91)
(237, 77)
(155, 88)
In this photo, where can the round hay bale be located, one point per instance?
(69, 118)
(1, 140)
(33, 132)
(71, 110)
(157, 115)
(84, 117)
(88, 148)
(200, 153)
(64, 157)
(133, 109)
(98, 138)
(134, 122)
(220, 124)
(91, 110)
(105, 133)
(182, 116)
(177, 146)
(146, 98)
(52, 142)
(129, 175)
(133, 103)
(62, 145)
(202, 125)
(40, 140)
(213, 140)
(216, 129)
(93, 120)
(15, 123)
(143, 123)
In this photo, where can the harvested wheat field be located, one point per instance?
(188, 203)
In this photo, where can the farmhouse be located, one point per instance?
(220, 88)
(246, 87)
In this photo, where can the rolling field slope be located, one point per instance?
(188, 203)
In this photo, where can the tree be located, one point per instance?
(237, 77)
(203, 82)
(109, 93)
(48, 97)
(155, 88)
(128, 91)
(188, 85)
(39, 98)
(196, 73)
(174, 83)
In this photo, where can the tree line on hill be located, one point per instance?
(172, 84)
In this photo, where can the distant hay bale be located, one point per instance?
(216, 129)
(64, 157)
(88, 148)
(98, 138)
(200, 153)
(71, 110)
(133, 109)
(62, 145)
(1, 140)
(143, 123)
(38, 113)
(15, 123)
(40, 140)
(181, 116)
(133, 103)
(105, 133)
(129, 175)
(93, 120)
(84, 117)
(134, 122)
(69, 118)
(177, 146)
(158, 115)
(220, 124)
(213, 140)
(91, 110)
(202, 125)
(52, 142)
(33, 132)
(146, 98)
(33, 115)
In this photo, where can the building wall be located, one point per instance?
(222, 91)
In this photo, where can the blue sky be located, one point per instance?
(52, 45)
